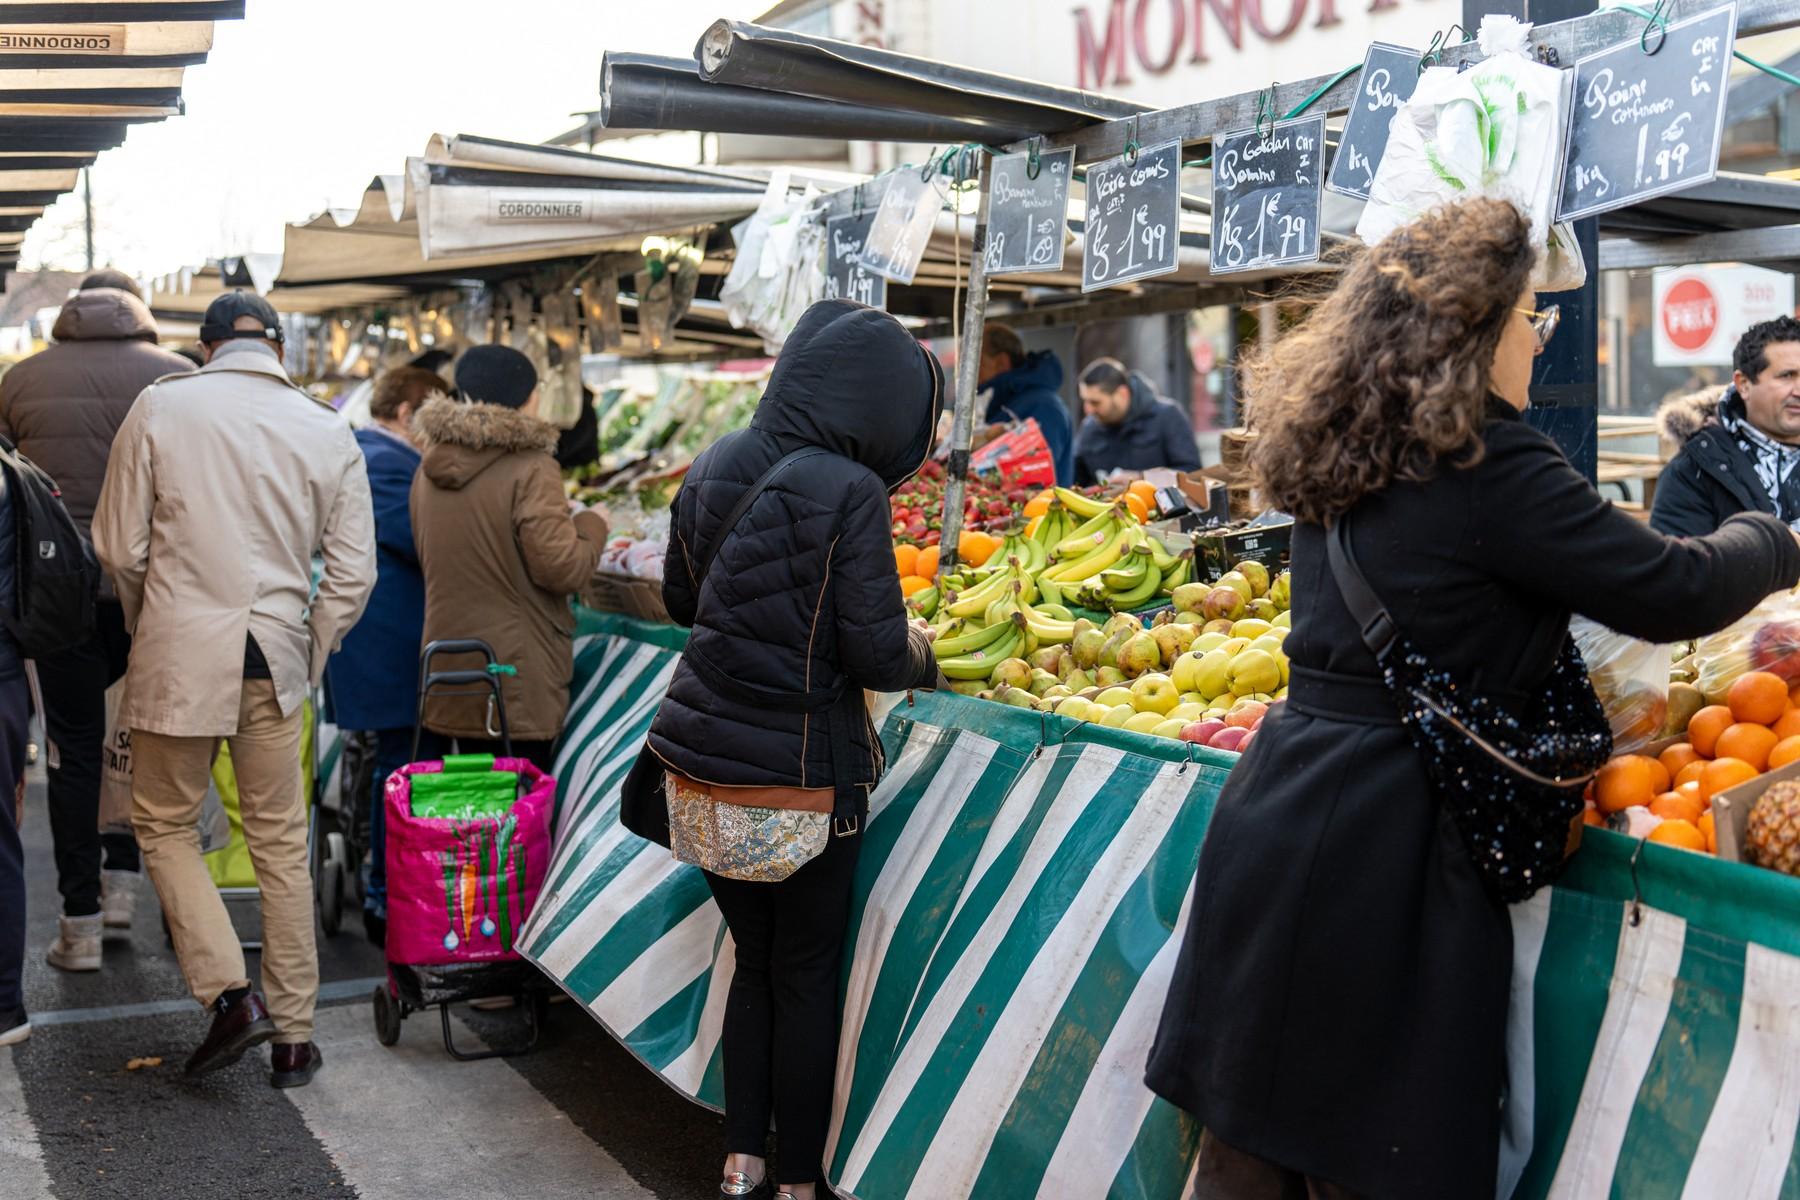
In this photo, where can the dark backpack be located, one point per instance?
(56, 578)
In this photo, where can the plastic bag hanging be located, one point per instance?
(603, 324)
(1494, 130)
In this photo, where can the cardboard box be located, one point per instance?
(1217, 552)
(1731, 809)
(626, 594)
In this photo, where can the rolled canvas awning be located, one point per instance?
(76, 76)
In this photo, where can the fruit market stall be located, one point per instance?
(1016, 914)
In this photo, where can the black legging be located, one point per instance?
(781, 1019)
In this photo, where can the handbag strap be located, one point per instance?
(738, 510)
(1379, 631)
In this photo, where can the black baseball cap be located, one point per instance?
(220, 322)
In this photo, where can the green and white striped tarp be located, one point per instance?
(1017, 912)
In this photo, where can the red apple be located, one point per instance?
(1244, 746)
(1776, 648)
(1231, 738)
(1245, 714)
(1201, 732)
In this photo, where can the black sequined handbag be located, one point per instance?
(1514, 789)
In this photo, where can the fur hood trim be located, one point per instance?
(444, 422)
(1684, 416)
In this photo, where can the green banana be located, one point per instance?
(924, 602)
(1129, 575)
(1035, 555)
(1178, 574)
(1126, 601)
(1080, 505)
(979, 664)
(1087, 537)
(1086, 568)
(1050, 593)
(1159, 553)
(970, 639)
(1055, 611)
(975, 601)
(1046, 628)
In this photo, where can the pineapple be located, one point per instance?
(1772, 838)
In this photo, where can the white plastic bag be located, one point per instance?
(1632, 680)
(1494, 130)
(1766, 640)
(776, 275)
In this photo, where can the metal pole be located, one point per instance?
(87, 204)
(968, 366)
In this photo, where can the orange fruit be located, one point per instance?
(1679, 833)
(1039, 504)
(1787, 725)
(1676, 757)
(1623, 783)
(1031, 526)
(1691, 773)
(906, 558)
(1672, 806)
(1707, 725)
(1143, 489)
(1758, 696)
(975, 547)
(1794, 693)
(1787, 750)
(1691, 790)
(1591, 816)
(1138, 508)
(927, 566)
(1724, 774)
(1659, 773)
(1748, 742)
(913, 583)
(1709, 831)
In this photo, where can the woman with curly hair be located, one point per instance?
(1337, 1015)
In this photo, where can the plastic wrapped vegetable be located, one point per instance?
(1632, 680)
(1766, 640)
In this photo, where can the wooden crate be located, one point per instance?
(626, 594)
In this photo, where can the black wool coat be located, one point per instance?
(1339, 1002)
(802, 596)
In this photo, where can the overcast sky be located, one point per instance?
(302, 103)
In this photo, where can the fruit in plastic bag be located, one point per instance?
(1766, 640)
(1632, 680)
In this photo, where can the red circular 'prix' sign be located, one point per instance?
(1690, 314)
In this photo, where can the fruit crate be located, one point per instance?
(641, 598)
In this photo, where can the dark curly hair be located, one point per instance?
(1389, 375)
(1752, 354)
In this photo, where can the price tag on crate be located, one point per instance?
(845, 276)
(1133, 217)
(1646, 124)
(1266, 196)
(902, 228)
(1027, 209)
(1386, 81)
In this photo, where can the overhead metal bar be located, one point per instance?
(1195, 123)
(82, 12)
(749, 55)
(1778, 243)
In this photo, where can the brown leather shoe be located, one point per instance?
(235, 1029)
(295, 1064)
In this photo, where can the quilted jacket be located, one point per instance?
(802, 597)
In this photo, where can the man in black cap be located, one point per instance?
(61, 407)
(223, 484)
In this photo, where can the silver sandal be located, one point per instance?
(739, 1186)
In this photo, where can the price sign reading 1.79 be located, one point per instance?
(1643, 125)
(1133, 217)
(1266, 194)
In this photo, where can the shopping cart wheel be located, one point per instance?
(387, 1017)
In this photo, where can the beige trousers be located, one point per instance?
(168, 782)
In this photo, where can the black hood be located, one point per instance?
(852, 380)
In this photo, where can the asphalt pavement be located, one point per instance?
(81, 1120)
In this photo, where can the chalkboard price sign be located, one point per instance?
(1133, 217)
(1266, 196)
(1026, 212)
(902, 228)
(1644, 125)
(1388, 77)
(845, 276)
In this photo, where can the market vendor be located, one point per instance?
(1128, 426)
(1025, 386)
(1739, 449)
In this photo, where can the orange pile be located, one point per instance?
(1757, 729)
(918, 568)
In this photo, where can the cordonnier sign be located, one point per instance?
(1158, 51)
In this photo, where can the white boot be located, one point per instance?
(77, 945)
(118, 895)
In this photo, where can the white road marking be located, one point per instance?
(21, 1159)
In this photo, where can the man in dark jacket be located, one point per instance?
(1740, 450)
(1128, 426)
(1026, 387)
(374, 676)
(62, 408)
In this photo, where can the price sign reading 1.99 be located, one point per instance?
(1645, 124)
(1133, 217)
(1266, 195)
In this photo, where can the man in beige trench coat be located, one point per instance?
(221, 487)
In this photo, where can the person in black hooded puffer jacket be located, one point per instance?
(799, 613)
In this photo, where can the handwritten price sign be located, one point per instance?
(1389, 75)
(1644, 125)
(1027, 210)
(1133, 218)
(845, 276)
(1266, 196)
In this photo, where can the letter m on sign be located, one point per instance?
(1101, 63)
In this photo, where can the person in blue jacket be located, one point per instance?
(1026, 386)
(374, 677)
(1129, 427)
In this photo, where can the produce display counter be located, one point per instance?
(1019, 903)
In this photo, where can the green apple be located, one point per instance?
(1154, 693)
(1144, 722)
(1210, 641)
(1282, 620)
(1112, 697)
(1250, 627)
(1170, 728)
(1115, 718)
(1253, 671)
(1187, 710)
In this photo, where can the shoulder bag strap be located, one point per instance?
(738, 510)
(1371, 616)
